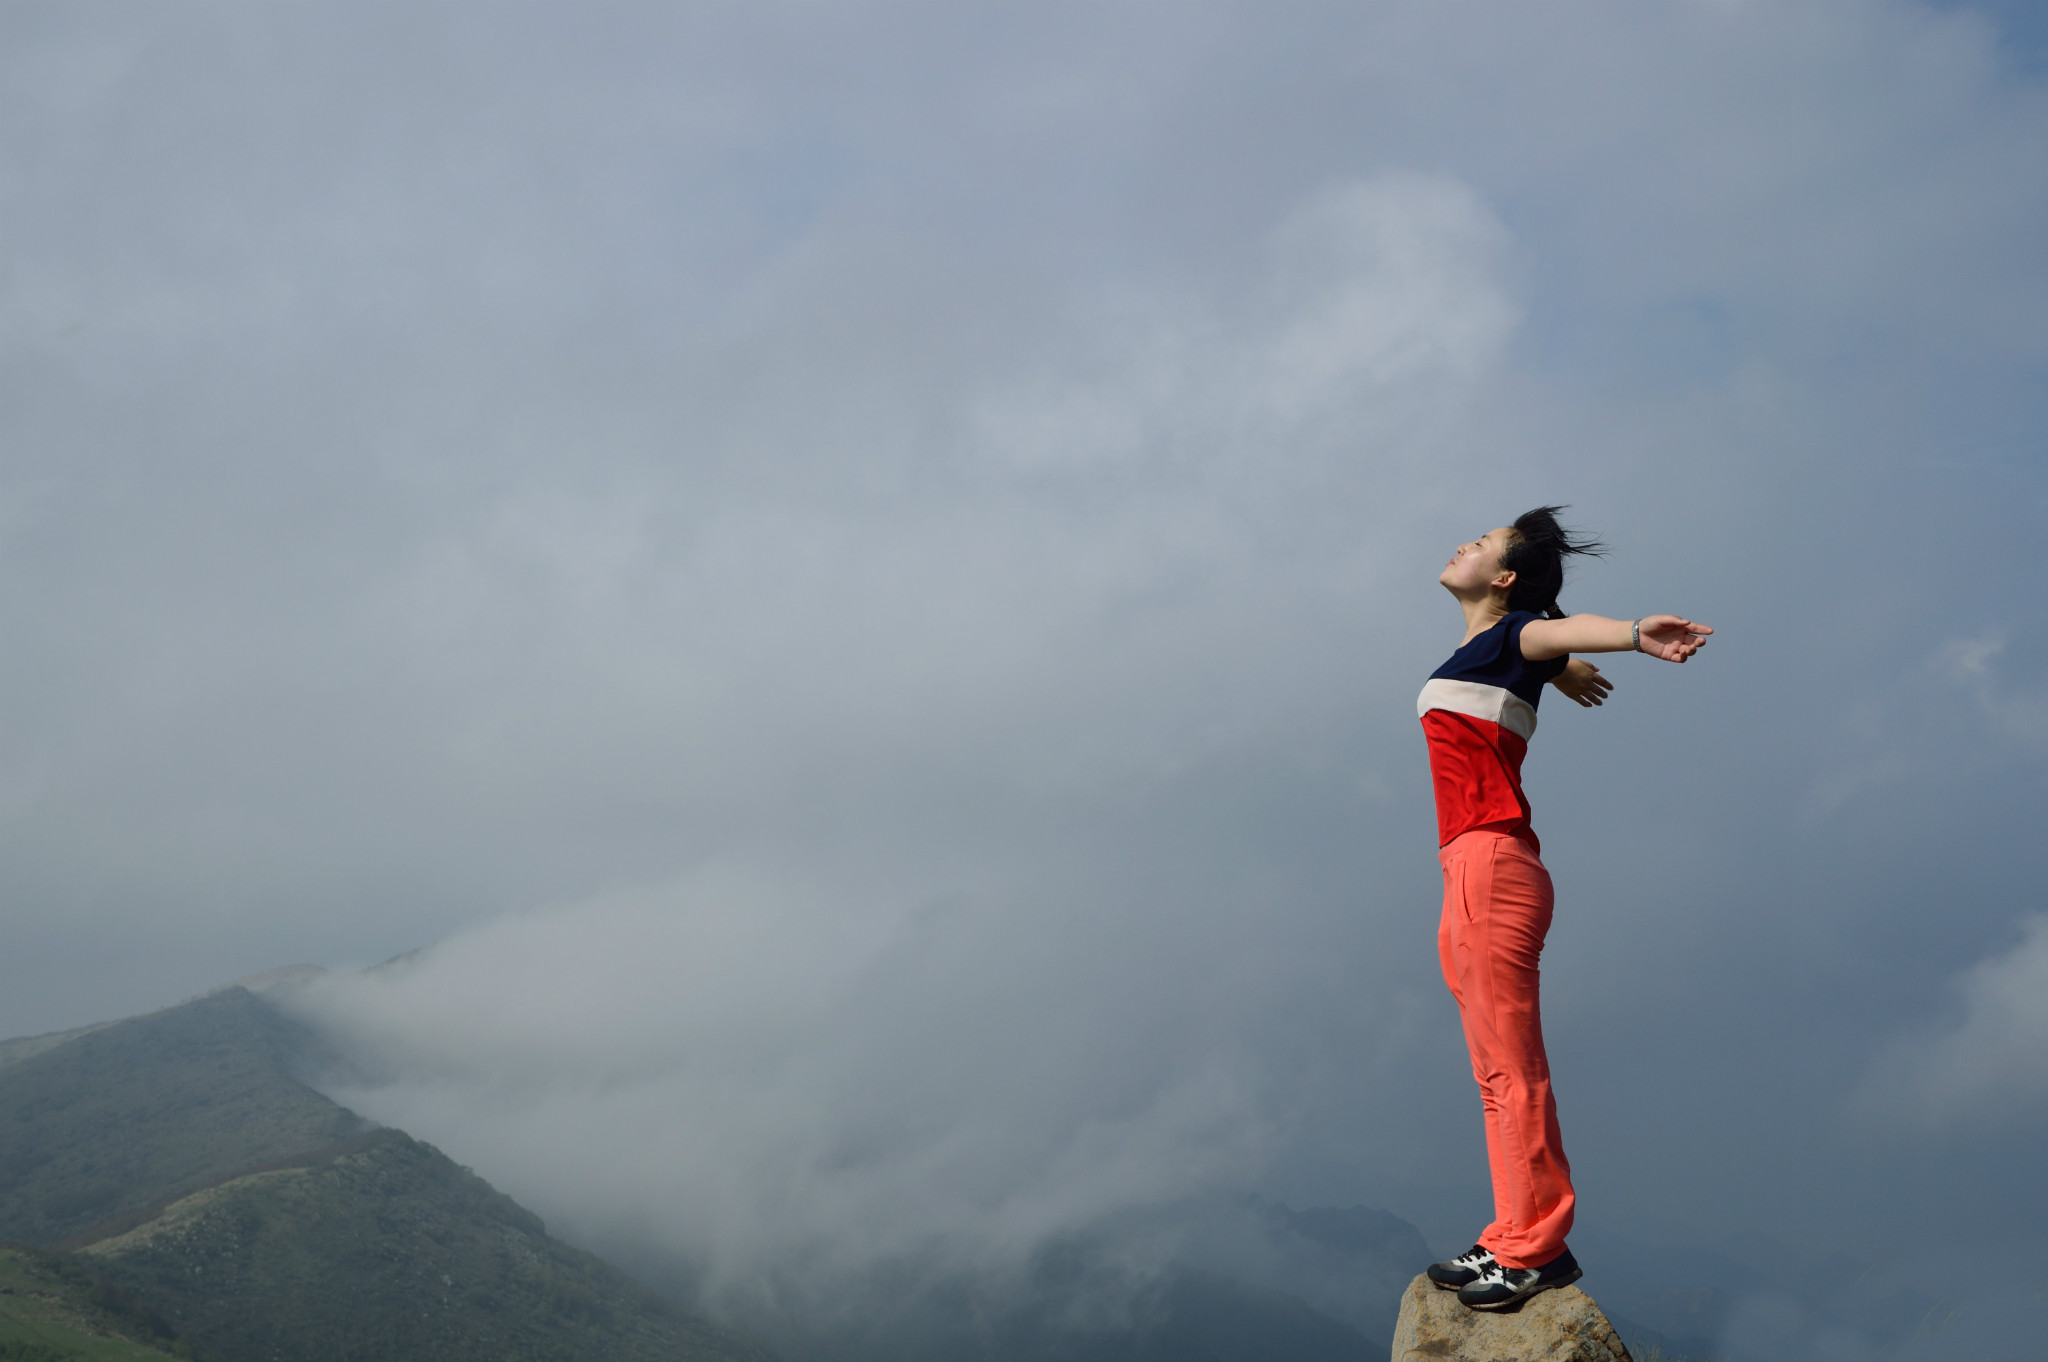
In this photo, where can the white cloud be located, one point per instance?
(843, 1059)
(755, 1076)
(1392, 281)
(1990, 1065)
(2014, 712)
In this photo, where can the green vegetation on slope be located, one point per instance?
(53, 1309)
(123, 1116)
(28, 1047)
(389, 1250)
(263, 1221)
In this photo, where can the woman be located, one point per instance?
(1478, 711)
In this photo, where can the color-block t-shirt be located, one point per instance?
(1478, 713)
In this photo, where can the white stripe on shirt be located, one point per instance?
(1495, 704)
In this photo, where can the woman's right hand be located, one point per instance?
(1581, 681)
(1670, 637)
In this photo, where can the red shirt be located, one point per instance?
(1478, 713)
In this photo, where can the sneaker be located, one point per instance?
(1467, 1267)
(1500, 1286)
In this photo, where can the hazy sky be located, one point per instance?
(865, 569)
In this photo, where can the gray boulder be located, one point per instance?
(1554, 1326)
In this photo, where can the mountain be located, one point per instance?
(119, 1117)
(53, 1309)
(24, 1047)
(385, 1248)
(183, 1161)
(179, 1157)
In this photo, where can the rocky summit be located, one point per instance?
(1555, 1326)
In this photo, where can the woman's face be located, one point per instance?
(1475, 566)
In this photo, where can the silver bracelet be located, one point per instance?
(1635, 636)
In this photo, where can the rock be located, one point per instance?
(1554, 1326)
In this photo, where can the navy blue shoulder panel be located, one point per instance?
(1495, 659)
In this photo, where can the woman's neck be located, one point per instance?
(1482, 614)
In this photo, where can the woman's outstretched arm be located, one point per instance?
(1670, 637)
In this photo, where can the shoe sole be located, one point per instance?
(1514, 1301)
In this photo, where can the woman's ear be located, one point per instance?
(1504, 582)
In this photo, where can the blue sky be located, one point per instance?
(874, 561)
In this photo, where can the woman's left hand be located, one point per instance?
(1581, 681)
(1671, 637)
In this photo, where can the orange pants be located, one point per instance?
(1497, 904)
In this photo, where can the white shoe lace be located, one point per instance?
(1497, 1271)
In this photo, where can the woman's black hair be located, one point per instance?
(1536, 556)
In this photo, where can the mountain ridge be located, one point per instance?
(137, 1110)
(179, 1156)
